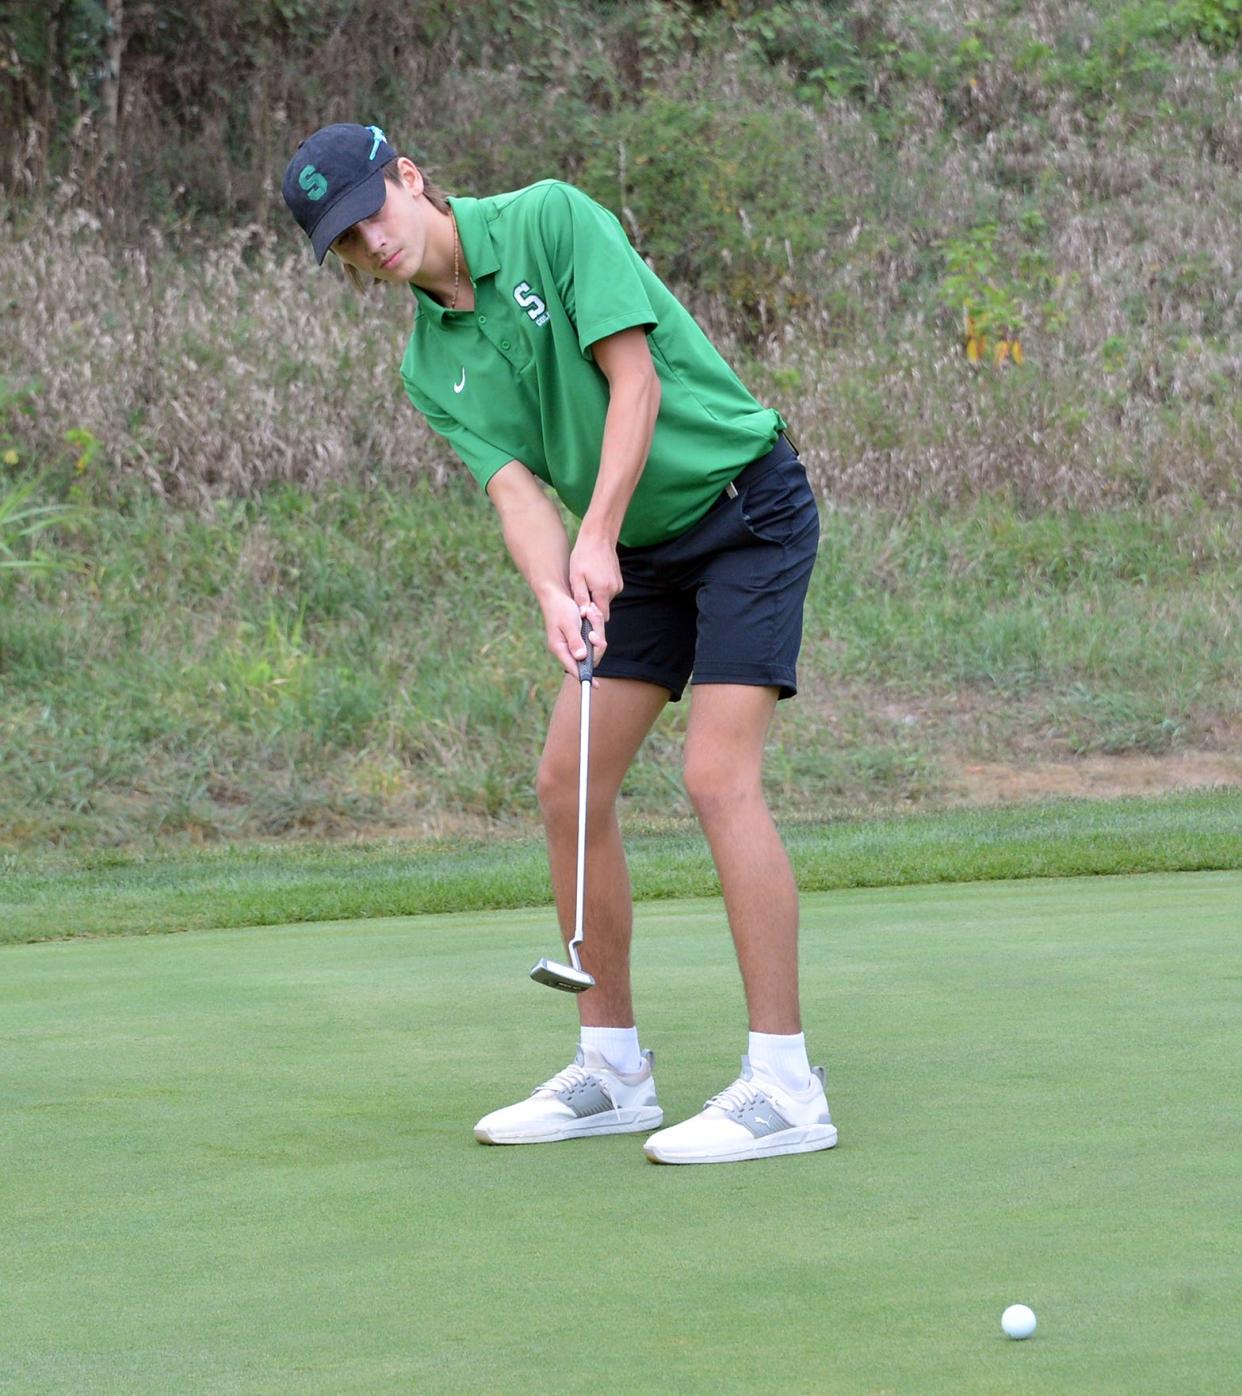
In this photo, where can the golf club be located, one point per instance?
(573, 978)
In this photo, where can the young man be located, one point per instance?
(547, 352)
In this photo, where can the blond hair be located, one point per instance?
(435, 196)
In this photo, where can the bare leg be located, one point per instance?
(724, 762)
(622, 711)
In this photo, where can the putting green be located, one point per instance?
(242, 1161)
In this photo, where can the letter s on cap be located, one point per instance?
(313, 182)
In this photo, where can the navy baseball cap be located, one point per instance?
(336, 179)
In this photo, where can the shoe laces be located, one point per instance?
(737, 1096)
(573, 1075)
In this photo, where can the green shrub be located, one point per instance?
(995, 290)
(716, 197)
(1124, 55)
(1216, 22)
(821, 50)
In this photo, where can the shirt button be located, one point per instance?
(504, 343)
(482, 319)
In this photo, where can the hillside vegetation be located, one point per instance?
(985, 259)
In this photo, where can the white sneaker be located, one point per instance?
(754, 1118)
(586, 1098)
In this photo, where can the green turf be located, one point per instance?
(243, 1162)
(50, 895)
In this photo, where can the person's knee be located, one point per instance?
(556, 788)
(718, 789)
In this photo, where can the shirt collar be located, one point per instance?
(476, 246)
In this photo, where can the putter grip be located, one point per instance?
(586, 667)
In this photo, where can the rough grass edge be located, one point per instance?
(58, 897)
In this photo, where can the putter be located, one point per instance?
(572, 977)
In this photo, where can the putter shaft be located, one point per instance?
(572, 977)
(584, 744)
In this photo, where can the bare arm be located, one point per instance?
(633, 404)
(536, 540)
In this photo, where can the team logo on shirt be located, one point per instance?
(531, 302)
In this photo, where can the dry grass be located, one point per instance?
(241, 366)
(209, 366)
(215, 373)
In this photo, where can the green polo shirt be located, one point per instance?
(514, 379)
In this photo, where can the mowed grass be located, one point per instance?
(243, 1162)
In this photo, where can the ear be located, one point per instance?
(411, 175)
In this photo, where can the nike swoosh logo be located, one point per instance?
(457, 387)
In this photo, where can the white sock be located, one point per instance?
(782, 1058)
(617, 1046)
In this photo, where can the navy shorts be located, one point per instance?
(722, 601)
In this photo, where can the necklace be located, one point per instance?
(456, 263)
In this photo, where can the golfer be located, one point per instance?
(549, 355)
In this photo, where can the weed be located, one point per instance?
(1113, 722)
(21, 522)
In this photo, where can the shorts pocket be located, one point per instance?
(779, 505)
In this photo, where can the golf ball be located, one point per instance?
(1018, 1321)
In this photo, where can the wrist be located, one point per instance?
(549, 593)
(598, 530)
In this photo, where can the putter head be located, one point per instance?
(558, 976)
